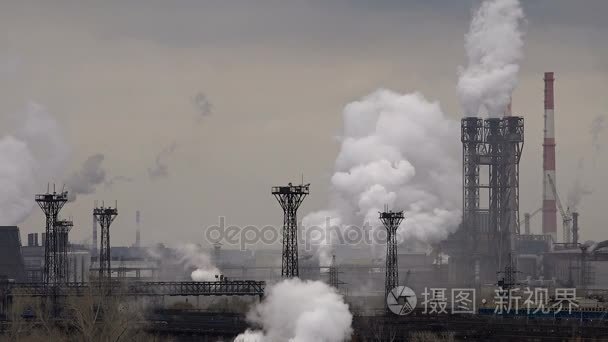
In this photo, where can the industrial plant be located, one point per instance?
(420, 233)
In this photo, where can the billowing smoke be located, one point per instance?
(85, 180)
(192, 255)
(160, 169)
(202, 105)
(300, 311)
(31, 156)
(399, 151)
(494, 48)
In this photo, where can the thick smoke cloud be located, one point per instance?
(85, 180)
(31, 156)
(192, 255)
(160, 169)
(300, 311)
(494, 48)
(396, 150)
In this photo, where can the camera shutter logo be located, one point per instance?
(401, 300)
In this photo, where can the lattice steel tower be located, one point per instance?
(333, 273)
(51, 204)
(105, 216)
(62, 229)
(290, 197)
(391, 221)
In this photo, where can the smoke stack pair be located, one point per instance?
(549, 204)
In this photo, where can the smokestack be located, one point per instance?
(137, 232)
(549, 208)
(575, 228)
(527, 223)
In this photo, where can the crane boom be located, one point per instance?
(566, 216)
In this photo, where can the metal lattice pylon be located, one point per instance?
(105, 216)
(51, 204)
(391, 221)
(290, 197)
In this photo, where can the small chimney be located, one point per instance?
(527, 223)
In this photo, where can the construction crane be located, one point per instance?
(566, 216)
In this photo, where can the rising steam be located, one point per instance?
(192, 256)
(300, 311)
(29, 157)
(397, 150)
(85, 180)
(160, 169)
(494, 46)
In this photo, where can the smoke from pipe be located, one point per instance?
(34, 154)
(160, 169)
(202, 105)
(300, 311)
(192, 255)
(494, 46)
(396, 150)
(85, 180)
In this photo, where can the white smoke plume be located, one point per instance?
(85, 180)
(192, 255)
(494, 46)
(160, 169)
(202, 105)
(300, 311)
(578, 190)
(31, 156)
(399, 151)
(597, 128)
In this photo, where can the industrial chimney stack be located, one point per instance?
(549, 207)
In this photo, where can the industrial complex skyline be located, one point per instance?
(195, 108)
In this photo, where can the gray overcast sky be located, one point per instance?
(120, 76)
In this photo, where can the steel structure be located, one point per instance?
(290, 197)
(51, 204)
(484, 242)
(391, 221)
(62, 229)
(172, 288)
(105, 216)
(333, 273)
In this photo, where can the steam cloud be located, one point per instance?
(90, 175)
(193, 256)
(34, 154)
(160, 169)
(597, 128)
(300, 311)
(494, 47)
(397, 150)
(202, 105)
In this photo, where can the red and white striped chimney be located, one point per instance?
(549, 208)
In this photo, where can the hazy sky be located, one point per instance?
(121, 77)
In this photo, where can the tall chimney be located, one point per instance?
(549, 208)
(137, 232)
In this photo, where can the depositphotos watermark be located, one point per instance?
(308, 236)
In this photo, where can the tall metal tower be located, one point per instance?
(333, 273)
(51, 204)
(105, 216)
(290, 197)
(62, 229)
(391, 221)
